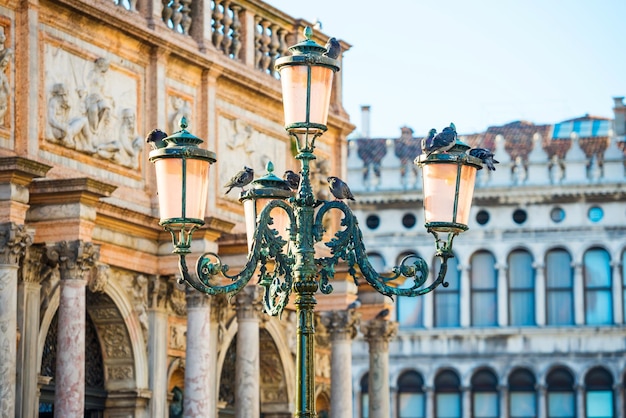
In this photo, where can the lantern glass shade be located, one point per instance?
(296, 101)
(252, 209)
(448, 191)
(182, 185)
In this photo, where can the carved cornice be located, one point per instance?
(21, 171)
(75, 190)
(75, 259)
(14, 239)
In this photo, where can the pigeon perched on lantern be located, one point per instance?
(339, 188)
(486, 156)
(333, 48)
(292, 179)
(441, 142)
(241, 179)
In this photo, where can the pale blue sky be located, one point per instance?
(426, 63)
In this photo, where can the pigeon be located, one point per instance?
(443, 141)
(155, 139)
(486, 156)
(382, 314)
(339, 189)
(355, 305)
(292, 179)
(333, 48)
(427, 142)
(240, 179)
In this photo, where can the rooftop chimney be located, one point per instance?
(619, 123)
(365, 121)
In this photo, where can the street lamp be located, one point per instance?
(283, 226)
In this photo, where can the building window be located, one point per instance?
(522, 396)
(365, 399)
(557, 215)
(485, 395)
(598, 284)
(521, 288)
(561, 396)
(409, 310)
(599, 396)
(409, 220)
(411, 400)
(484, 290)
(559, 288)
(447, 299)
(520, 216)
(447, 395)
(372, 221)
(595, 214)
(482, 217)
(377, 262)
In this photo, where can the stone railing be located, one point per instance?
(376, 165)
(251, 32)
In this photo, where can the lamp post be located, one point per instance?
(286, 262)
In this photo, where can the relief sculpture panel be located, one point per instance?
(91, 106)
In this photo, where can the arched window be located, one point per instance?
(447, 395)
(410, 311)
(561, 397)
(365, 399)
(484, 290)
(598, 284)
(559, 288)
(411, 401)
(377, 261)
(447, 301)
(521, 288)
(522, 395)
(599, 396)
(485, 395)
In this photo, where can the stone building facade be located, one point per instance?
(532, 323)
(92, 320)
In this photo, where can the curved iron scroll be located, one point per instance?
(347, 245)
(267, 245)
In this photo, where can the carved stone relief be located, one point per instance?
(178, 337)
(5, 88)
(179, 108)
(273, 384)
(91, 108)
(240, 144)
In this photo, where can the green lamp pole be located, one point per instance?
(285, 262)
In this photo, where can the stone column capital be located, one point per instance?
(14, 239)
(196, 299)
(342, 325)
(379, 331)
(248, 303)
(75, 259)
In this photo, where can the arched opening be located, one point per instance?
(448, 395)
(522, 395)
(599, 393)
(561, 395)
(485, 400)
(411, 399)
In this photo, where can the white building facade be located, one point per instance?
(532, 321)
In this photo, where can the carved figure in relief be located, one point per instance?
(5, 88)
(58, 115)
(125, 149)
(97, 103)
(177, 338)
(140, 301)
(181, 109)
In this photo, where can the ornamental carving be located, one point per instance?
(176, 297)
(34, 268)
(120, 372)
(178, 337)
(139, 295)
(341, 324)
(378, 333)
(14, 239)
(180, 109)
(75, 259)
(99, 278)
(115, 339)
(248, 302)
(91, 107)
(6, 54)
(273, 384)
(157, 292)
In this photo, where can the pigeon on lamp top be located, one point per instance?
(339, 189)
(155, 139)
(383, 314)
(240, 179)
(292, 179)
(443, 141)
(427, 142)
(486, 156)
(333, 48)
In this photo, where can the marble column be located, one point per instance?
(76, 260)
(502, 302)
(542, 401)
(579, 295)
(466, 402)
(247, 378)
(28, 311)
(342, 328)
(13, 241)
(504, 401)
(580, 400)
(378, 333)
(157, 346)
(199, 378)
(540, 294)
(430, 401)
